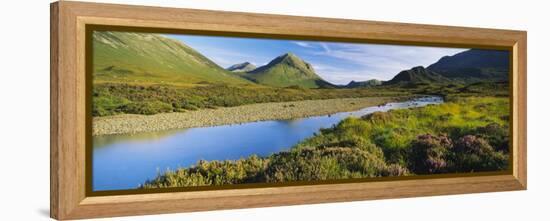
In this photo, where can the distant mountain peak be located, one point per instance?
(289, 55)
(363, 84)
(242, 67)
(289, 58)
(287, 70)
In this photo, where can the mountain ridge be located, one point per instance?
(474, 64)
(417, 75)
(363, 84)
(287, 70)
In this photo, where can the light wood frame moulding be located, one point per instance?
(69, 198)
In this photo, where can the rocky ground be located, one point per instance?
(129, 123)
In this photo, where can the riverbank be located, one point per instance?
(129, 123)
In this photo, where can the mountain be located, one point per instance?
(417, 75)
(150, 58)
(242, 67)
(363, 84)
(474, 64)
(287, 70)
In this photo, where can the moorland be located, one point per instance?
(149, 82)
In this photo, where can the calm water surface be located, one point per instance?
(125, 161)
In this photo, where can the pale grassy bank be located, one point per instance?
(129, 123)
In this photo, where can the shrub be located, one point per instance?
(428, 154)
(107, 105)
(146, 107)
(497, 136)
(472, 137)
(471, 153)
(310, 164)
(209, 96)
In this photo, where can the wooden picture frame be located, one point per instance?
(69, 103)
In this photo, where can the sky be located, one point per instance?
(338, 63)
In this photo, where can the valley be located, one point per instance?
(150, 90)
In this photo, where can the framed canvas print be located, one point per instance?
(160, 110)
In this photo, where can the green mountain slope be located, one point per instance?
(287, 70)
(143, 58)
(242, 67)
(474, 64)
(417, 75)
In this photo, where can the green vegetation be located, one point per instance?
(146, 74)
(132, 123)
(394, 131)
(461, 135)
(287, 70)
(452, 89)
(110, 99)
(144, 59)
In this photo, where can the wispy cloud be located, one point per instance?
(382, 61)
(337, 63)
(303, 44)
(338, 75)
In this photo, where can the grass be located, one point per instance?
(394, 131)
(454, 89)
(147, 74)
(462, 135)
(112, 98)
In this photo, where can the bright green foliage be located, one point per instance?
(394, 131)
(461, 135)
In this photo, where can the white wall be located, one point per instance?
(24, 109)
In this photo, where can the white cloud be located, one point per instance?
(224, 57)
(337, 75)
(382, 61)
(303, 44)
(338, 63)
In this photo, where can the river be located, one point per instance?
(126, 161)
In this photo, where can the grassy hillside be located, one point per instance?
(462, 135)
(286, 70)
(143, 58)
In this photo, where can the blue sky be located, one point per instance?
(338, 63)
